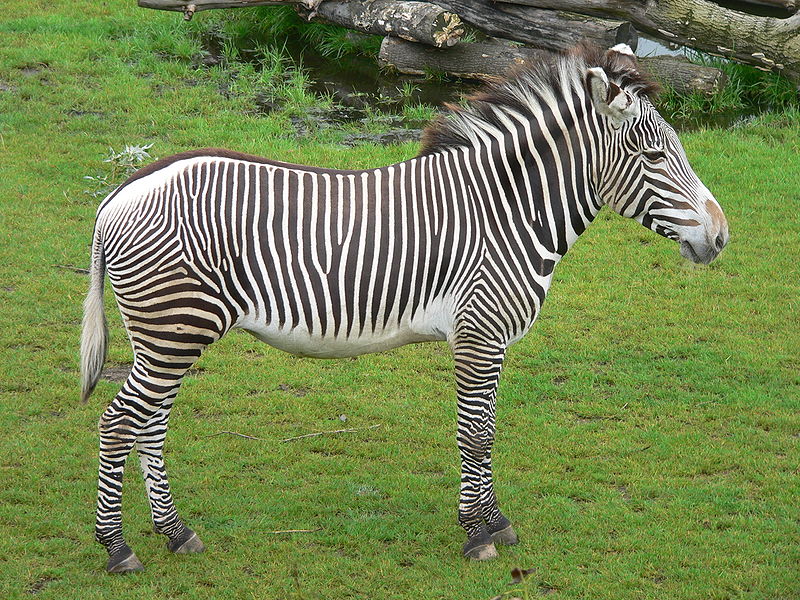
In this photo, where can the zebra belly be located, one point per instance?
(301, 342)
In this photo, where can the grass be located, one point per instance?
(278, 26)
(747, 90)
(649, 436)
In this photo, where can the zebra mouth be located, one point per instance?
(704, 257)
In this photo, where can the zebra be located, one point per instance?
(457, 244)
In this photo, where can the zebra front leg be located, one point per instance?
(150, 448)
(498, 526)
(477, 368)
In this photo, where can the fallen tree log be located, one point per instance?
(416, 21)
(683, 76)
(768, 43)
(480, 60)
(790, 6)
(548, 29)
(492, 60)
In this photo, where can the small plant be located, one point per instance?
(122, 165)
(433, 74)
(230, 52)
(419, 113)
(376, 121)
(470, 37)
(335, 42)
(407, 91)
(523, 586)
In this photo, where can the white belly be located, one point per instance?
(302, 343)
(431, 325)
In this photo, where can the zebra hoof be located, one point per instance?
(187, 542)
(480, 547)
(505, 537)
(483, 552)
(124, 561)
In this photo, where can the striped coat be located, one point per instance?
(458, 244)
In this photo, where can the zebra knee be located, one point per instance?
(117, 430)
(473, 448)
(112, 420)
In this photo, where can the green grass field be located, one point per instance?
(648, 427)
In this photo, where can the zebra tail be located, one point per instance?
(94, 335)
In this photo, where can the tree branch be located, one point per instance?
(768, 43)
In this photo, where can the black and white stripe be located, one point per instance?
(457, 245)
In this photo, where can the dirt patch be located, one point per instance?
(30, 71)
(546, 590)
(623, 491)
(116, 373)
(314, 119)
(38, 585)
(294, 391)
(85, 113)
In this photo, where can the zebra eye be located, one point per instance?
(654, 155)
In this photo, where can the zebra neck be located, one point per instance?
(536, 183)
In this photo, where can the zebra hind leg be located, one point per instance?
(150, 448)
(138, 417)
(119, 427)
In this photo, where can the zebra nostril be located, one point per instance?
(719, 242)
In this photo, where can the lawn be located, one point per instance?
(648, 426)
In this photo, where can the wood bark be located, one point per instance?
(768, 43)
(416, 21)
(487, 61)
(480, 60)
(553, 30)
(684, 76)
(790, 6)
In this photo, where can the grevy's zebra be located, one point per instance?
(458, 244)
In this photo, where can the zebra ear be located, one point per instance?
(625, 55)
(608, 98)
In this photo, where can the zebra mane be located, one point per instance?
(527, 88)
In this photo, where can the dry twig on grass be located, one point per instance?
(282, 531)
(298, 437)
(249, 437)
(73, 268)
(318, 433)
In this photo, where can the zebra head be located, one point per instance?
(642, 170)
